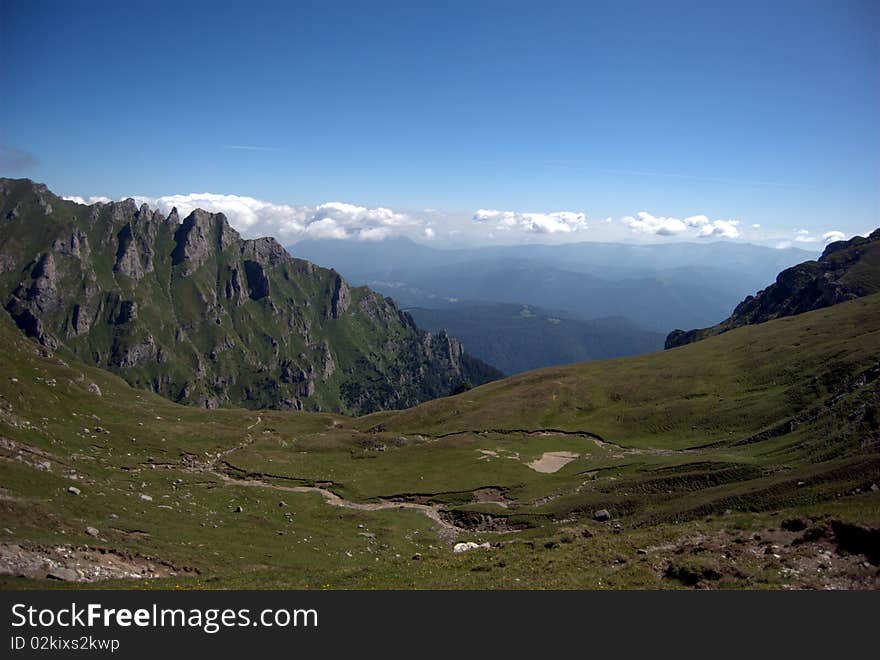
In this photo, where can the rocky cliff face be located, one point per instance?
(189, 309)
(846, 270)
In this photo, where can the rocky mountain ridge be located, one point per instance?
(191, 310)
(846, 270)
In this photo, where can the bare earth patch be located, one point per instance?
(552, 461)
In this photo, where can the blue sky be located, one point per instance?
(761, 113)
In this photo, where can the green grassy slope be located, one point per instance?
(698, 454)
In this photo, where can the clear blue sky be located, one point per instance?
(762, 111)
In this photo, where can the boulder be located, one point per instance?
(467, 546)
(63, 574)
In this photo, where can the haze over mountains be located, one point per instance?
(657, 286)
(516, 338)
(629, 294)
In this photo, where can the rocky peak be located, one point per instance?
(200, 235)
(265, 251)
(122, 211)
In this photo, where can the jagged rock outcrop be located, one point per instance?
(190, 310)
(200, 236)
(340, 298)
(257, 279)
(265, 251)
(74, 245)
(846, 270)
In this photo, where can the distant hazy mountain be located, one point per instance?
(658, 286)
(846, 270)
(517, 338)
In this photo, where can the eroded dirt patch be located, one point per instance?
(552, 461)
(81, 564)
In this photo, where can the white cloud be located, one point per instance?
(756, 226)
(645, 223)
(804, 236)
(558, 222)
(87, 200)
(784, 245)
(834, 235)
(697, 221)
(255, 217)
(721, 229)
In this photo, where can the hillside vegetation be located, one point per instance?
(750, 459)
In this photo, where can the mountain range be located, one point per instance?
(658, 287)
(188, 309)
(517, 338)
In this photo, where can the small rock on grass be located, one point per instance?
(91, 531)
(73, 490)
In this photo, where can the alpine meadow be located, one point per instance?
(457, 296)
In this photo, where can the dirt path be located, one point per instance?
(431, 511)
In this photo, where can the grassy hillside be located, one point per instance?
(750, 459)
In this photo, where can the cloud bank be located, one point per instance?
(558, 222)
(649, 224)
(87, 200)
(831, 236)
(288, 223)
